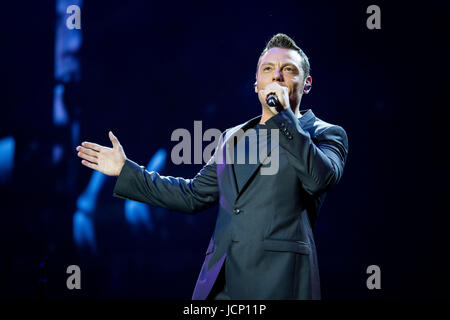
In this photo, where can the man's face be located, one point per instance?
(284, 67)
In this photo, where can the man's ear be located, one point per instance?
(308, 85)
(256, 86)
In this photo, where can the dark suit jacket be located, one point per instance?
(263, 233)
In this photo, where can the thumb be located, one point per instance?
(113, 139)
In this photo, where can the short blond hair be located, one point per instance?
(282, 40)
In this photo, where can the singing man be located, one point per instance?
(262, 246)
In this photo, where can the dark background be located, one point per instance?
(150, 67)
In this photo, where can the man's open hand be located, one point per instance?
(103, 159)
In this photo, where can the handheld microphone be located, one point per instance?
(272, 100)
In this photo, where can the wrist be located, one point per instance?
(121, 167)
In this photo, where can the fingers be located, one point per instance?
(113, 139)
(88, 157)
(275, 88)
(89, 164)
(264, 93)
(274, 85)
(268, 91)
(92, 146)
(88, 151)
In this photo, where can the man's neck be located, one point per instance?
(267, 114)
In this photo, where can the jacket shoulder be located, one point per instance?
(323, 130)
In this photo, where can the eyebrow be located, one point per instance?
(284, 64)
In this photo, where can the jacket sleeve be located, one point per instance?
(173, 193)
(319, 161)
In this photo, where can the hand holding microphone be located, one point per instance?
(276, 97)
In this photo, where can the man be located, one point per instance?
(262, 246)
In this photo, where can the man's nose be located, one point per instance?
(277, 75)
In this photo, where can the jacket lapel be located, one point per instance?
(306, 122)
(234, 135)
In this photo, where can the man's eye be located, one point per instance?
(289, 69)
(266, 68)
